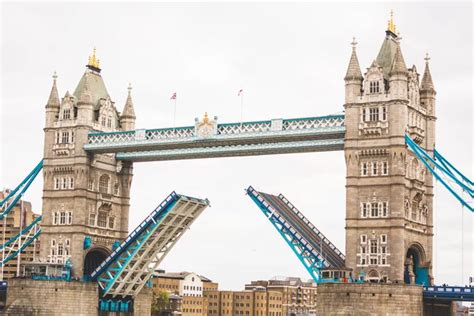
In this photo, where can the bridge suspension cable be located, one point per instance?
(443, 171)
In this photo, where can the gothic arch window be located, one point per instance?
(104, 183)
(102, 219)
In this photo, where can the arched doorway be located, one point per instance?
(93, 259)
(416, 270)
(373, 276)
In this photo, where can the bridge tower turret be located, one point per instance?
(85, 196)
(389, 193)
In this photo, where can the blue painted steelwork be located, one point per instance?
(226, 137)
(309, 255)
(234, 150)
(130, 265)
(28, 234)
(15, 195)
(451, 293)
(135, 237)
(445, 169)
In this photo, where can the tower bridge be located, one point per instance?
(387, 133)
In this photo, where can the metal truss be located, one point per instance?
(443, 171)
(309, 256)
(234, 150)
(20, 241)
(225, 136)
(131, 265)
(9, 202)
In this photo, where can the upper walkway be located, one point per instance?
(207, 139)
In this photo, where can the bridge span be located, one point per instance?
(208, 139)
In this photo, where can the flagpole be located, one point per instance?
(174, 116)
(241, 108)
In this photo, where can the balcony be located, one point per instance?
(373, 128)
(416, 133)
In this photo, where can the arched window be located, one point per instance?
(104, 184)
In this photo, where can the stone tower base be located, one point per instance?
(369, 299)
(61, 298)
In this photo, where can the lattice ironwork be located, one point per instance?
(131, 265)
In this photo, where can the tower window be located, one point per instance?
(375, 168)
(384, 209)
(383, 238)
(373, 246)
(365, 169)
(65, 137)
(365, 209)
(111, 222)
(102, 121)
(384, 113)
(92, 219)
(102, 219)
(109, 122)
(363, 239)
(58, 138)
(104, 184)
(374, 210)
(374, 87)
(55, 218)
(385, 168)
(71, 183)
(66, 114)
(62, 218)
(373, 114)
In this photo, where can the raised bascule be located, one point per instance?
(387, 133)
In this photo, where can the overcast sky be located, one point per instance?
(289, 58)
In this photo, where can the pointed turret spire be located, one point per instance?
(53, 101)
(128, 110)
(398, 65)
(353, 70)
(85, 95)
(427, 81)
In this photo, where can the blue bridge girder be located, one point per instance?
(449, 293)
(130, 266)
(324, 133)
(311, 247)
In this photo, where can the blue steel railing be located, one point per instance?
(455, 293)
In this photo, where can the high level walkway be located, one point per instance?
(207, 139)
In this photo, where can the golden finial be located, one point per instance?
(93, 61)
(206, 118)
(391, 24)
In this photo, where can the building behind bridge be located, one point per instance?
(20, 217)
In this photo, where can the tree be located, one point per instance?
(160, 301)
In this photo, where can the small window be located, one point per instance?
(58, 137)
(66, 114)
(109, 122)
(62, 218)
(373, 114)
(375, 169)
(365, 169)
(57, 184)
(55, 218)
(373, 246)
(69, 218)
(363, 239)
(65, 137)
(111, 222)
(64, 183)
(365, 209)
(71, 183)
(384, 113)
(374, 87)
(104, 184)
(102, 121)
(383, 238)
(72, 136)
(102, 219)
(385, 168)
(374, 209)
(384, 209)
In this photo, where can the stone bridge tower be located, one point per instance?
(389, 193)
(85, 197)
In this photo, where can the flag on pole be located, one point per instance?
(241, 91)
(173, 97)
